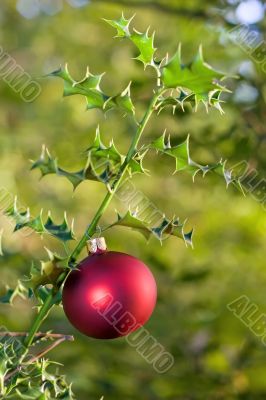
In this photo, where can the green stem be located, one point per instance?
(90, 231)
(46, 307)
(106, 201)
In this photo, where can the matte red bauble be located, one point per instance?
(110, 294)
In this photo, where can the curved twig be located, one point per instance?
(39, 335)
(60, 338)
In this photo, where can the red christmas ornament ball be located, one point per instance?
(109, 295)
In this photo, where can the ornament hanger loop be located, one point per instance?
(98, 231)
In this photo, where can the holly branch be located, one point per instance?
(90, 231)
(177, 85)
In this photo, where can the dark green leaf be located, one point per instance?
(20, 291)
(48, 165)
(99, 151)
(181, 154)
(23, 219)
(102, 164)
(165, 229)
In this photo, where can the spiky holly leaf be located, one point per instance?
(143, 41)
(23, 219)
(90, 88)
(181, 154)
(202, 81)
(48, 271)
(63, 231)
(173, 228)
(164, 229)
(174, 99)
(145, 44)
(178, 98)
(8, 359)
(102, 164)
(130, 220)
(19, 291)
(121, 25)
(229, 176)
(124, 101)
(99, 151)
(48, 165)
(136, 164)
(38, 381)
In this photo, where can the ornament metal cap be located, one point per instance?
(96, 245)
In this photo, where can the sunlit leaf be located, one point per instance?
(143, 41)
(202, 81)
(90, 88)
(47, 272)
(124, 101)
(121, 25)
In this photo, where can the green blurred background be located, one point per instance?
(216, 356)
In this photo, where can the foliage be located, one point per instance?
(44, 383)
(202, 359)
(196, 82)
(23, 219)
